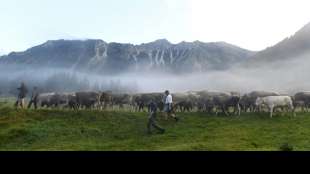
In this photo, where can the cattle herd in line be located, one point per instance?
(231, 103)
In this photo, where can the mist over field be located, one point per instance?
(60, 80)
(285, 77)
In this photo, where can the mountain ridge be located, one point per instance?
(288, 49)
(98, 56)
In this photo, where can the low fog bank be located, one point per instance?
(60, 80)
(286, 77)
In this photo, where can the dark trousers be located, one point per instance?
(20, 102)
(152, 123)
(34, 102)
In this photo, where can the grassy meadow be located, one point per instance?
(64, 130)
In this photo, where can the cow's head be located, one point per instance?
(259, 101)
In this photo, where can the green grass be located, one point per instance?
(7, 102)
(51, 130)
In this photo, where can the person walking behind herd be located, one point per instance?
(152, 119)
(168, 109)
(21, 96)
(34, 98)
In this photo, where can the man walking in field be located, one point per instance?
(34, 98)
(168, 108)
(21, 96)
(152, 119)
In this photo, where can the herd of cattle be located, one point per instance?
(203, 101)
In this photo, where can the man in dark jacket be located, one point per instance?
(152, 119)
(34, 98)
(21, 95)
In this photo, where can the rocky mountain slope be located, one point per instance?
(112, 58)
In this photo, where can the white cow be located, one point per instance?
(276, 101)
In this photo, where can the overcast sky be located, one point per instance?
(251, 24)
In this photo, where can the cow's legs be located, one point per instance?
(271, 111)
(224, 110)
(292, 108)
(255, 109)
(121, 106)
(216, 111)
(105, 106)
(304, 109)
(294, 113)
(252, 108)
